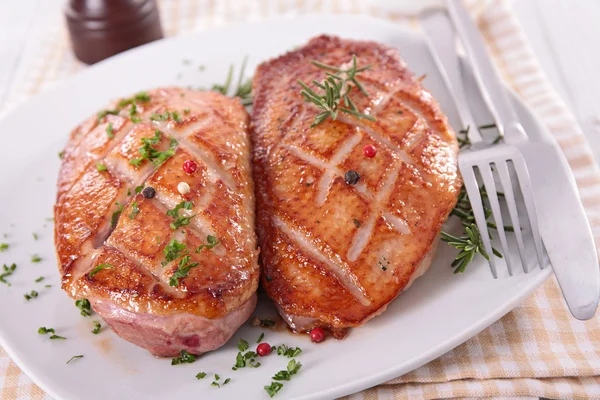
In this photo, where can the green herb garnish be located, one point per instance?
(109, 130)
(100, 167)
(180, 220)
(262, 335)
(289, 352)
(100, 268)
(35, 236)
(104, 113)
(243, 345)
(97, 328)
(173, 251)
(200, 375)
(273, 388)
(148, 152)
(336, 88)
(211, 241)
(138, 189)
(4, 246)
(134, 210)
(41, 278)
(8, 271)
(357, 223)
(75, 358)
(35, 258)
(184, 269)
(115, 215)
(246, 359)
(31, 295)
(285, 375)
(84, 306)
(44, 331)
(267, 323)
(184, 358)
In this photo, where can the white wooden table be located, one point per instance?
(564, 34)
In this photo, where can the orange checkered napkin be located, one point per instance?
(538, 349)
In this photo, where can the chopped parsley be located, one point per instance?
(128, 192)
(109, 130)
(85, 307)
(8, 271)
(200, 375)
(184, 358)
(100, 268)
(292, 369)
(290, 352)
(41, 278)
(165, 116)
(180, 220)
(273, 388)
(60, 155)
(134, 210)
(262, 335)
(104, 113)
(31, 295)
(357, 223)
(211, 241)
(43, 331)
(4, 246)
(35, 258)
(243, 345)
(100, 167)
(115, 215)
(138, 189)
(75, 358)
(173, 251)
(148, 152)
(246, 359)
(184, 269)
(97, 328)
(35, 236)
(47, 286)
(186, 110)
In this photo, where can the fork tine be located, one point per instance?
(527, 191)
(470, 182)
(509, 196)
(492, 193)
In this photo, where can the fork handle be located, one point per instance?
(492, 88)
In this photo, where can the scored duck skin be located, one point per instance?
(118, 261)
(335, 254)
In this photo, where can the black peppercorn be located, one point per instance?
(149, 192)
(351, 177)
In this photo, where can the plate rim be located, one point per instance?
(368, 381)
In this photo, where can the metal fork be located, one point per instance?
(482, 159)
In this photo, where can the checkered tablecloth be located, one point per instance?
(538, 349)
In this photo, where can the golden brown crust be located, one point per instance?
(212, 131)
(331, 251)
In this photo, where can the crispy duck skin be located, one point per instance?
(100, 218)
(336, 254)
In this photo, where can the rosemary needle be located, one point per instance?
(336, 88)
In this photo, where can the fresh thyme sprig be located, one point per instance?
(336, 88)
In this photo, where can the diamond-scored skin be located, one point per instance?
(220, 292)
(335, 254)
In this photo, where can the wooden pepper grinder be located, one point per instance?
(102, 28)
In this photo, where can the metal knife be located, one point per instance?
(564, 227)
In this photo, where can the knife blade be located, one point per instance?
(565, 230)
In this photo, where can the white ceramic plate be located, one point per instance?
(439, 312)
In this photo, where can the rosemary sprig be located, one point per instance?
(243, 90)
(336, 92)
